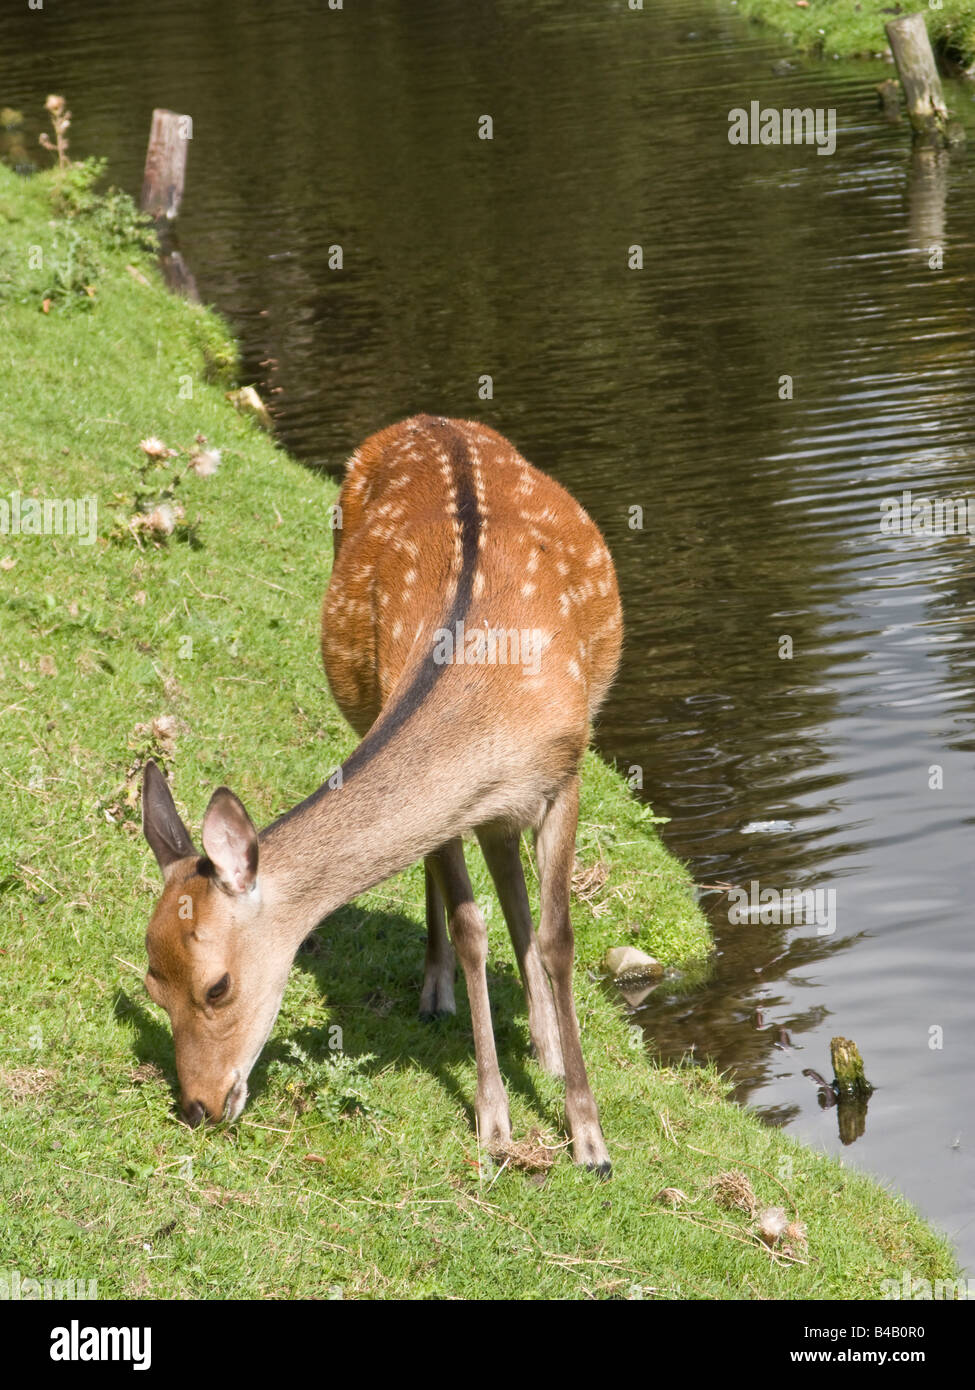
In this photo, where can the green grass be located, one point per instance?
(840, 27)
(352, 1173)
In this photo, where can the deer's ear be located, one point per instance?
(230, 842)
(161, 824)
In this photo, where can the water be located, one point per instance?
(655, 388)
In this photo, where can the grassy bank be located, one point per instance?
(828, 27)
(353, 1172)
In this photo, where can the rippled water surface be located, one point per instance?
(655, 388)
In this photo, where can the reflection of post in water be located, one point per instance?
(927, 193)
(849, 1091)
(162, 193)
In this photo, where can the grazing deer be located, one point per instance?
(453, 554)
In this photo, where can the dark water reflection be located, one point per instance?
(656, 388)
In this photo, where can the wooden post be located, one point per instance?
(162, 193)
(918, 72)
(162, 184)
(848, 1077)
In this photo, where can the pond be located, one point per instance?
(798, 689)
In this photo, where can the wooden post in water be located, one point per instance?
(162, 193)
(851, 1088)
(918, 72)
(162, 183)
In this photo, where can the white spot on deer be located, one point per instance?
(564, 605)
(527, 590)
(573, 669)
(409, 578)
(478, 587)
(397, 629)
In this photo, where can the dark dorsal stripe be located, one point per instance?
(411, 698)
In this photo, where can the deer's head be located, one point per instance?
(211, 963)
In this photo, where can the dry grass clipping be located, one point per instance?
(733, 1191)
(589, 882)
(531, 1155)
(671, 1197)
(20, 1083)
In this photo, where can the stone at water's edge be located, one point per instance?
(628, 966)
(248, 402)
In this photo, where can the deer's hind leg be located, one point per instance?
(501, 854)
(555, 847)
(437, 995)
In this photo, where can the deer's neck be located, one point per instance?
(399, 796)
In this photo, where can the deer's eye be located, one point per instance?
(218, 990)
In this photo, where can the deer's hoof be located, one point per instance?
(603, 1171)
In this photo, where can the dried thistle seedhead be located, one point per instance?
(772, 1224)
(795, 1234)
(161, 521)
(733, 1191)
(162, 733)
(60, 120)
(206, 462)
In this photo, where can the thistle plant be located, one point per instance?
(60, 120)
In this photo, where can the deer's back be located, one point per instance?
(446, 531)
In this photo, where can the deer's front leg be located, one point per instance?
(437, 995)
(469, 935)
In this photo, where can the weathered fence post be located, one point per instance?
(162, 193)
(851, 1088)
(918, 72)
(162, 183)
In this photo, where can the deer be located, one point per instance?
(470, 632)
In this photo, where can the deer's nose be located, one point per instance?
(194, 1113)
